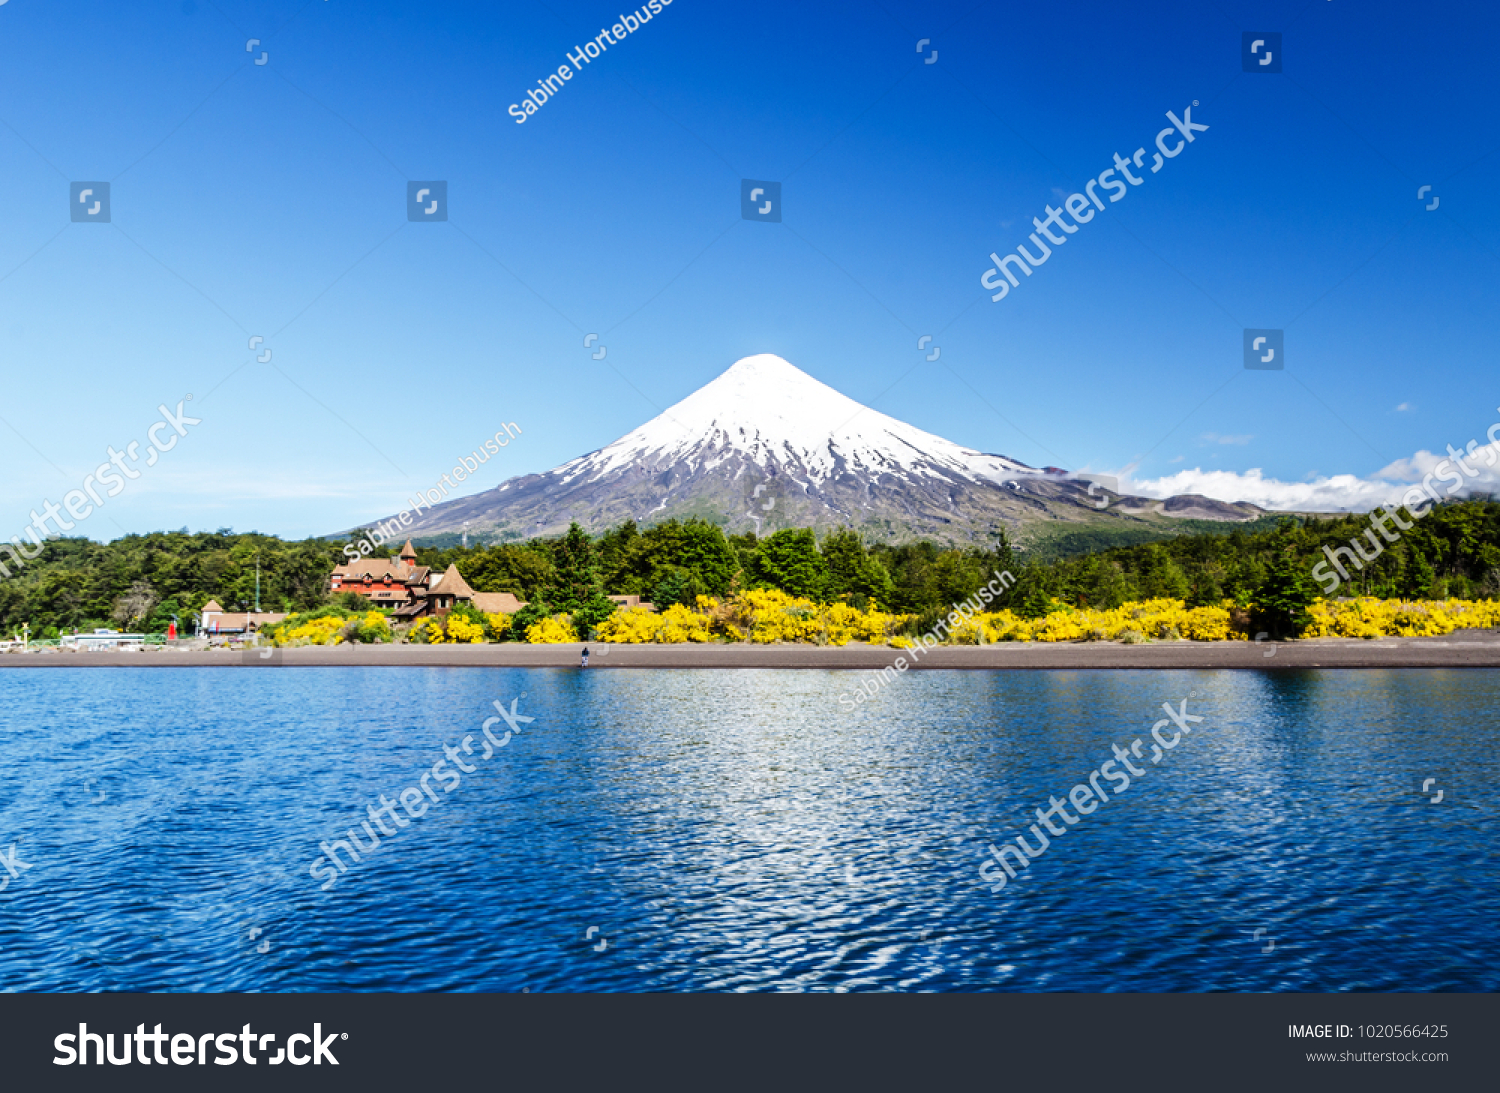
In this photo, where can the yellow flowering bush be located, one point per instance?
(1367, 617)
(637, 625)
(844, 624)
(773, 616)
(461, 629)
(1161, 618)
(875, 626)
(678, 624)
(329, 626)
(1165, 619)
(558, 630)
(429, 630)
(971, 631)
(759, 615)
(1061, 626)
(1206, 624)
(765, 616)
(1006, 626)
(323, 631)
(632, 626)
(727, 620)
(372, 627)
(770, 615)
(446, 629)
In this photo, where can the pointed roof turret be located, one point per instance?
(408, 554)
(452, 584)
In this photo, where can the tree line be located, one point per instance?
(143, 581)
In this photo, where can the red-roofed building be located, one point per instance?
(414, 591)
(385, 582)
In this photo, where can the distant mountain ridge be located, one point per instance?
(766, 446)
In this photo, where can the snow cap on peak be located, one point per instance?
(768, 384)
(767, 364)
(768, 411)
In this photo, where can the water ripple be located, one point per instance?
(742, 831)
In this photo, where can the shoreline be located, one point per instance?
(1460, 649)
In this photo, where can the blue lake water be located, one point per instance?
(744, 831)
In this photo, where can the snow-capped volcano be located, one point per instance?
(766, 446)
(768, 413)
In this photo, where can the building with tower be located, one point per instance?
(415, 591)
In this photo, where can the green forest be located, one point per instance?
(144, 581)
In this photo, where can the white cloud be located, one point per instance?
(1215, 438)
(1330, 493)
(1405, 406)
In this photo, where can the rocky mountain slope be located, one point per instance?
(765, 446)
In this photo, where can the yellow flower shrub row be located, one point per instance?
(766, 616)
(761, 615)
(1368, 617)
(1160, 619)
(637, 625)
(328, 630)
(454, 629)
(1165, 619)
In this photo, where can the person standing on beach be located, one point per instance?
(585, 657)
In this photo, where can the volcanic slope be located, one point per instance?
(766, 446)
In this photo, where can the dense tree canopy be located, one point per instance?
(1453, 551)
(789, 560)
(694, 556)
(145, 580)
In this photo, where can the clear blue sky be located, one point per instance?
(270, 200)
